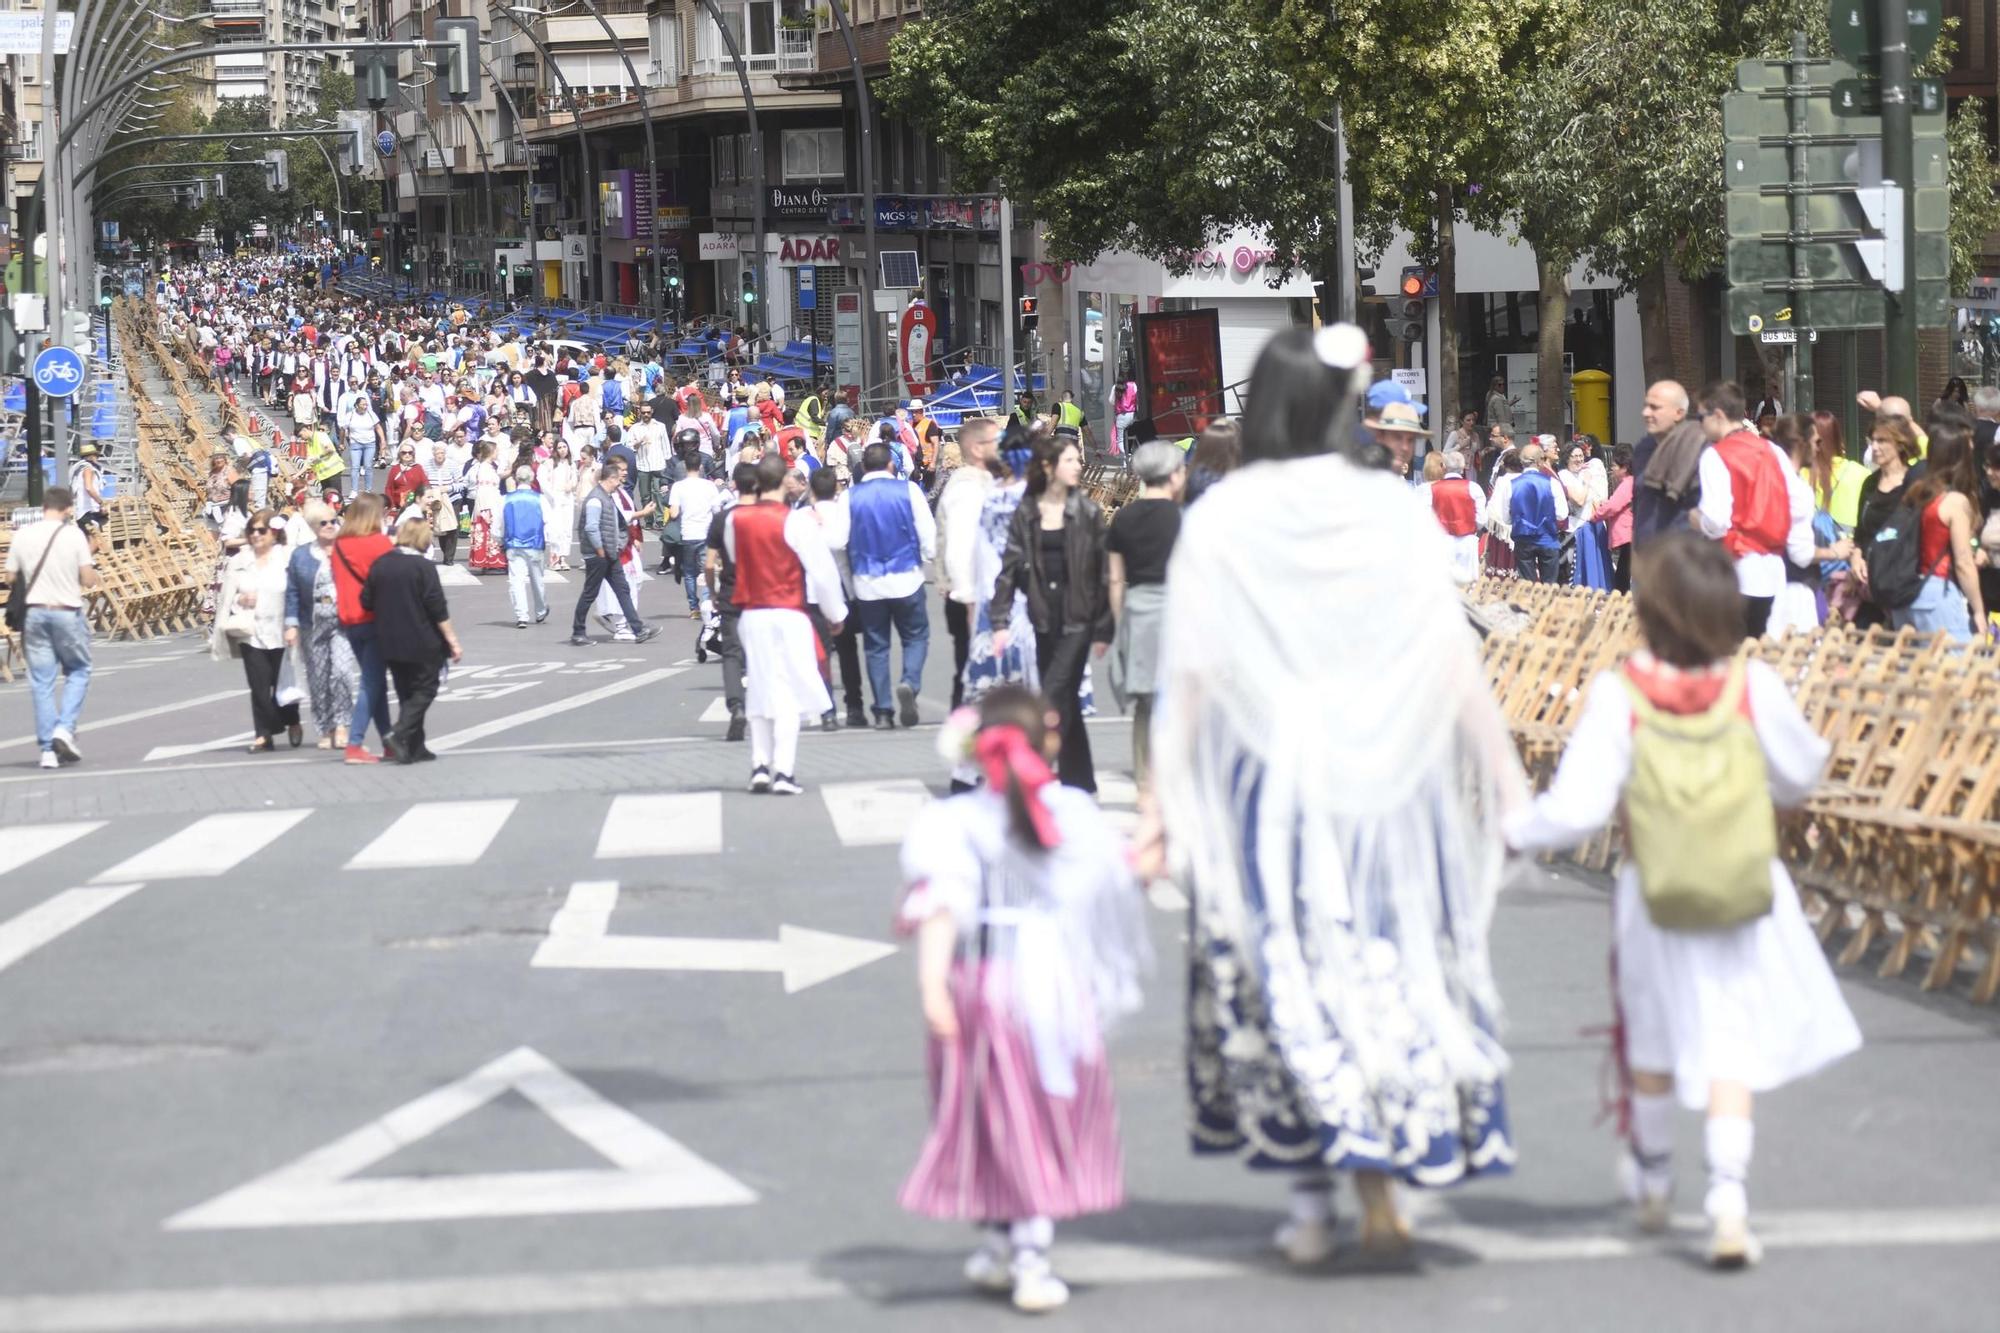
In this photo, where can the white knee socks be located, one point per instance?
(1653, 1141)
(1312, 1197)
(1729, 1139)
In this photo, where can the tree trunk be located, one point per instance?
(1551, 385)
(1656, 349)
(1445, 397)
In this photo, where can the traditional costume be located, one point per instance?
(782, 562)
(1343, 857)
(1051, 944)
(632, 559)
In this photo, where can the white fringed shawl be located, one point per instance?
(1313, 638)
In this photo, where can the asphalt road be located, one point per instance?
(567, 1032)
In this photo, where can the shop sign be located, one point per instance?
(576, 248)
(717, 245)
(892, 212)
(965, 213)
(1180, 370)
(798, 201)
(795, 250)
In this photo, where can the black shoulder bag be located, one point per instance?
(17, 594)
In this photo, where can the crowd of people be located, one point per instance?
(1343, 860)
(1903, 537)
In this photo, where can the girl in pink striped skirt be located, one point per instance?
(1031, 938)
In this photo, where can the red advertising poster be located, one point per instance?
(1180, 370)
(913, 345)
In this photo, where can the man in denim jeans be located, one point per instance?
(54, 558)
(890, 537)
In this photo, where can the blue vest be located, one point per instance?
(521, 521)
(882, 531)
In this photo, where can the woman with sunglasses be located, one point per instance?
(312, 628)
(406, 478)
(255, 581)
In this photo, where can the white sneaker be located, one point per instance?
(1306, 1243)
(49, 759)
(64, 744)
(760, 779)
(784, 784)
(1653, 1207)
(624, 636)
(1037, 1290)
(990, 1267)
(1730, 1244)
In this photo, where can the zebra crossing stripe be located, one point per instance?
(18, 846)
(662, 824)
(212, 845)
(435, 833)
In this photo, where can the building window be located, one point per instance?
(815, 155)
(733, 165)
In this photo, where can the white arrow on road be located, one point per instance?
(182, 751)
(579, 937)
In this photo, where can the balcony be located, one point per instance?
(796, 53)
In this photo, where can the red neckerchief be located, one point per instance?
(1683, 691)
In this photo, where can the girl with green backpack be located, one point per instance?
(1722, 990)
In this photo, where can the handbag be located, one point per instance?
(17, 594)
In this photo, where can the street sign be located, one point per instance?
(385, 143)
(1754, 166)
(1752, 310)
(1863, 97)
(1856, 29)
(808, 287)
(1768, 216)
(1757, 261)
(58, 371)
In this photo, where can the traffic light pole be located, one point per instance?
(1899, 333)
(756, 148)
(1798, 94)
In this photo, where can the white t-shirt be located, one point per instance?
(60, 583)
(695, 498)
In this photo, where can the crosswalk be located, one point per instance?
(444, 834)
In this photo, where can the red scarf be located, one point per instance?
(1003, 753)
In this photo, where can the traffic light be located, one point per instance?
(76, 331)
(503, 270)
(1031, 313)
(221, 191)
(409, 265)
(672, 265)
(1407, 319)
(457, 58)
(749, 287)
(374, 78)
(277, 171)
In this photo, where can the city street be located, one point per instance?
(568, 1032)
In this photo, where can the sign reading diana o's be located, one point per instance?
(58, 371)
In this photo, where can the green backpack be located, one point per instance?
(1698, 813)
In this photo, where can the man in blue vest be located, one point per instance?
(523, 534)
(891, 534)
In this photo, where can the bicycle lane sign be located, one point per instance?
(58, 371)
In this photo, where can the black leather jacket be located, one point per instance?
(1088, 600)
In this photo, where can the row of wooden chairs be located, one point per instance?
(1900, 845)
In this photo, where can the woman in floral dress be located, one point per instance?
(487, 554)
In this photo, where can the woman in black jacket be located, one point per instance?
(1055, 557)
(413, 631)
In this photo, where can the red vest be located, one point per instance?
(1760, 513)
(768, 573)
(1451, 501)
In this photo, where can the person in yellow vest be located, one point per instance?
(811, 416)
(1070, 415)
(1024, 407)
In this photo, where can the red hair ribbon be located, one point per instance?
(1004, 752)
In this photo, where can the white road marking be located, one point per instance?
(1167, 896)
(554, 576)
(874, 814)
(716, 712)
(160, 710)
(212, 845)
(584, 700)
(413, 840)
(648, 1169)
(55, 916)
(25, 842)
(1117, 789)
(411, 1301)
(579, 937)
(203, 747)
(457, 576)
(662, 824)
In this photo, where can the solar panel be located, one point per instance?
(899, 268)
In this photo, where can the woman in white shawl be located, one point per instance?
(1342, 856)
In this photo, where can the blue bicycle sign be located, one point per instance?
(58, 371)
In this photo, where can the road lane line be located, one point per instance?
(521, 719)
(213, 845)
(24, 843)
(411, 841)
(662, 824)
(868, 1283)
(873, 814)
(57, 916)
(161, 710)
